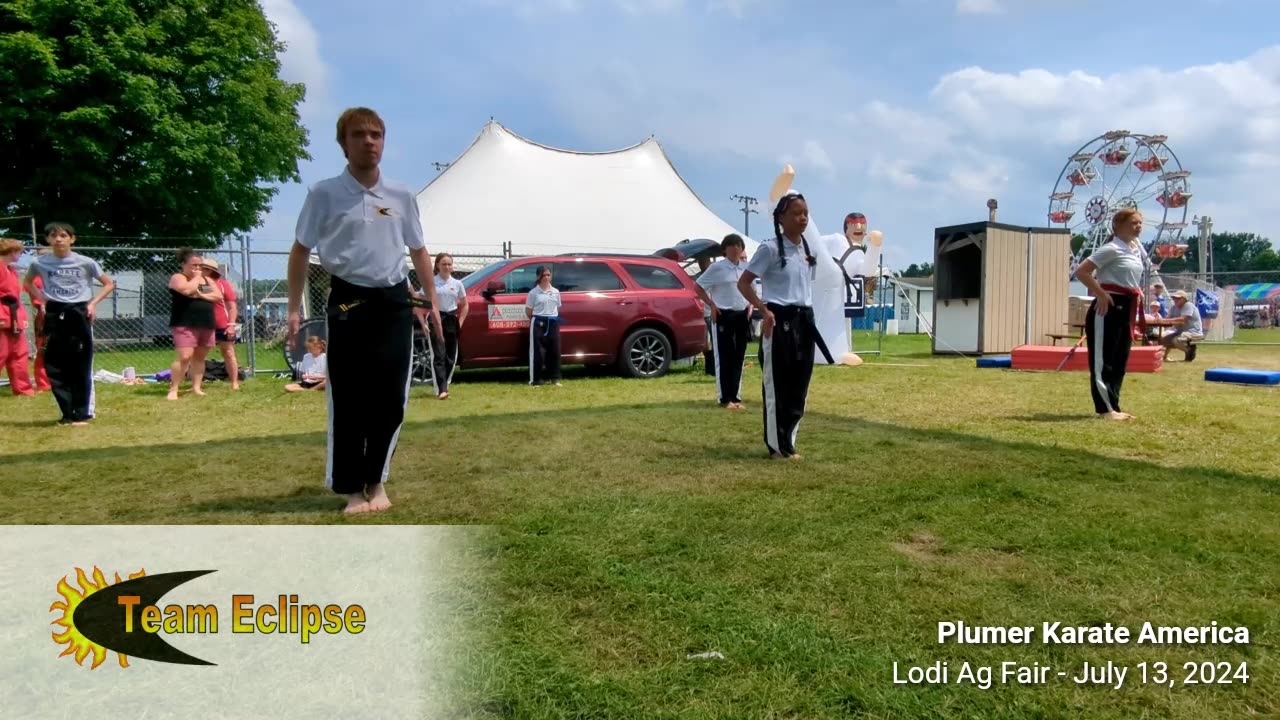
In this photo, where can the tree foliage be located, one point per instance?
(1233, 253)
(145, 119)
(921, 270)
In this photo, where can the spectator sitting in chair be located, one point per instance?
(313, 368)
(1192, 328)
(1154, 315)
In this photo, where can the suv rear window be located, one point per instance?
(584, 277)
(652, 277)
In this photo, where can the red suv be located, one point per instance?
(638, 312)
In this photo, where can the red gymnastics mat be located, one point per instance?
(1142, 358)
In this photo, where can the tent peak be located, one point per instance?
(499, 127)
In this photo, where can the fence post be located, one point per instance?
(246, 254)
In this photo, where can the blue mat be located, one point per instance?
(996, 361)
(1240, 375)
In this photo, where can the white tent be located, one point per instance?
(547, 201)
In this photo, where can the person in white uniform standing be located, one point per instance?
(717, 286)
(543, 309)
(452, 299)
(789, 335)
(360, 224)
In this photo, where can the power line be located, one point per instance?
(747, 201)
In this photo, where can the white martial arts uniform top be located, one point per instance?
(448, 292)
(1119, 264)
(792, 285)
(360, 234)
(545, 303)
(721, 283)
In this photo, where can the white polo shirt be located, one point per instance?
(792, 285)
(448, 292)
(721, 283)
(360, 234)
(545, 303)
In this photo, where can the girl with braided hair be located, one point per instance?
(786, 270)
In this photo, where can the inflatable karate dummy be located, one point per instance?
(841, 257)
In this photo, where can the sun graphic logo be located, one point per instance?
(71, 636)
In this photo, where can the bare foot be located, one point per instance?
(356, 505)
(443, 396)
(173, 395)
(235, 387)
(378, 500)
(1114, 416)
(197, 391)
(738, 406)
(80, 423)
(795, 457)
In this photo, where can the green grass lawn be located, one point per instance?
(637, 523)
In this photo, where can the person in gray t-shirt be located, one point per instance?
(1191, 328)
(67, 293)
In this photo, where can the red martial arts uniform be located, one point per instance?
(42, 377)
(14, 354)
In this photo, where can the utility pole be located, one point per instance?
(1205, 224)
(441, 167)
(747, 201)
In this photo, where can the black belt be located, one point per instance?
(722, 311)
(804, 313)
(396, 295)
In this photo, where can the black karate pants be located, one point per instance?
(786, 361)
(444, 353)
(370, 353)
(729, 337)
(1109, 336)
(68, 359)
(709, 355)
(544, 350)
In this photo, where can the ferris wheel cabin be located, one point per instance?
(998, 286)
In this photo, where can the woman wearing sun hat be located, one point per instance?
(224, 320)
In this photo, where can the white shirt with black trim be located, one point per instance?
(449, 291)
(545, 303)
(360, 234)
(721, 283)
(792, 285)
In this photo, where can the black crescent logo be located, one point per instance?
(385, 212)
(100, 618)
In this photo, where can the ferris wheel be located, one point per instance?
(1117, 170)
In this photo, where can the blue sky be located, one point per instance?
(913, 112)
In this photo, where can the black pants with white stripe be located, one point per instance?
(369, 353)
(786, 362)
(68, 359)
(544, 350)
(444, 353)
(729, 337)
(1109, 336)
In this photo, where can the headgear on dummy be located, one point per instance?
(784, 203)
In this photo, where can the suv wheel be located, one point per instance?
(646, 353)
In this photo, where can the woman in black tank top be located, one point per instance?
(191, 321)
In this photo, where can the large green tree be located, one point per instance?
(148, 120)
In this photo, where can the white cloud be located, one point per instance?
(301, 61)
(977, 7)
(978, 134)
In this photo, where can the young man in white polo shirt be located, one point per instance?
(359, 224)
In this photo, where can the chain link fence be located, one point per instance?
(1248, 304)
(131, 325)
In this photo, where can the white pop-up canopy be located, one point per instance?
(547, 201)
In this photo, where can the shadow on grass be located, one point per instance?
(308, 499)
(1052, 417)
(659, 433)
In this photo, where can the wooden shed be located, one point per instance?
(998, 286)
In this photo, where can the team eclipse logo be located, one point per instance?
(125, 617)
